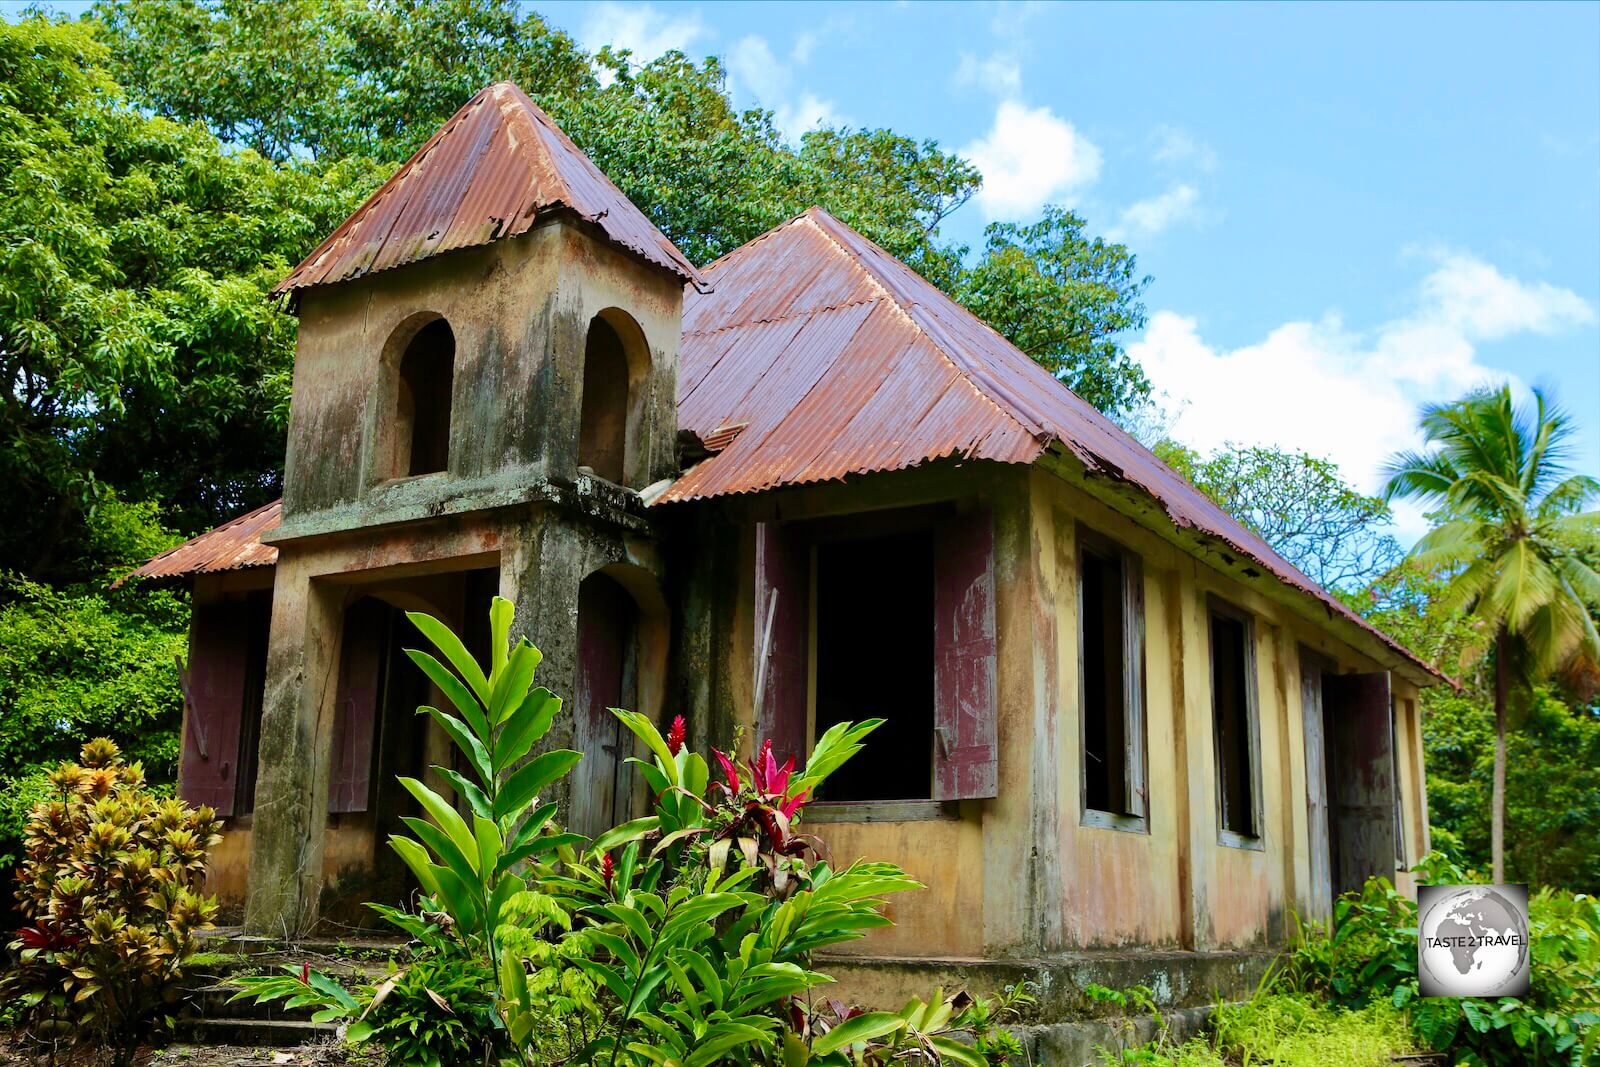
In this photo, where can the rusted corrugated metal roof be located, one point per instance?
(233, 546)
(497, 168)
(842, 360)
(818, 356)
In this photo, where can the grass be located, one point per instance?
(1284, 1030)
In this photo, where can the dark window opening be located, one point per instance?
(427, 373)
(603, 423)
(1230, 694)
(875, 659)
(1113, 748)
(258, 606)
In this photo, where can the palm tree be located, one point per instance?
(1512, 542)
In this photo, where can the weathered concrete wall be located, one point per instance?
(520, 311)
(1023, 874)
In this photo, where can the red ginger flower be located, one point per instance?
(769, 777)
(675, 735)
(608, 869)
(305, 974)
(728, 769)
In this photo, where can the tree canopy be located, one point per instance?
(1300, 505)
(162, 164)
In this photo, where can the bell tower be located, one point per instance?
(485, 380)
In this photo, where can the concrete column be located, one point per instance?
(296, 742)
(539, 573)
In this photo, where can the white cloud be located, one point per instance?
(1474, 297)
(640, 28)
(1323, 388)
(1150, 216)
(807, 113)
(1175, 147)
(999, 73)
(1031, 157)
(754, 68)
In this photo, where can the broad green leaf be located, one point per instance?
(469, 745)
(525, 726)
(442, 813)
(529, 780)
(856, 1030)
(626, 832)
(445, 640)
(459, 696)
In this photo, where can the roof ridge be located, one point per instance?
(491, 171)
(825, 224)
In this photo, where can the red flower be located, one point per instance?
(608, 869)
(305, 974)
(675, 736)
(769, 777)
(728, 769)
(793, 804)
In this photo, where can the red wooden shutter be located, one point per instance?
(366, 630)
(219, 642)
(1363, 782)
(965, 751)
(782, 622)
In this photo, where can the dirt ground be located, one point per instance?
(327, 1054)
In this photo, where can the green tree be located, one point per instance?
(1301, 506)
(141, 356)
(339, 79)
(1511, 544)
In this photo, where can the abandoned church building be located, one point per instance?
(796, 486)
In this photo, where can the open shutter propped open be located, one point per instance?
(219, 649)
(965, 751)
(782, 621)
(361, 665)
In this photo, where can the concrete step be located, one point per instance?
(258, 1033)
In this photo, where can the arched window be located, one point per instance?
(603, 424)
(422, 409)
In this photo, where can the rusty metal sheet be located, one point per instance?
(926, 380)
(496, 168)
(233, 546)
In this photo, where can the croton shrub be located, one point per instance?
(111, 887)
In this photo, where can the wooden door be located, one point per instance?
(1321, 895)
(600, 786)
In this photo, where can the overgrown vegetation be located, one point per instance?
(684, 937)
(1370, 958)
(111, 886)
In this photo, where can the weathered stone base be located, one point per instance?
(1065, 1026)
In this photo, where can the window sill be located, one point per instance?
(1107, 820)
(880, 811)
(1234, 839)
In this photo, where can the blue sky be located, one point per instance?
(1348, 210)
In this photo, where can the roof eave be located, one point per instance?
(1239, 564)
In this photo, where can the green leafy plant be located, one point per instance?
(1370, 959)
(922, 1032)
(111, 882)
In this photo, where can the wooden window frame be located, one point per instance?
(1216, 606)
(1136, 819)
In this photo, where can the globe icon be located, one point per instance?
(1473, 941)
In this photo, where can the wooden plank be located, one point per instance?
(366, 633)
(215, 688)
(966, 748)
(783, 623)
(1321, 894)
